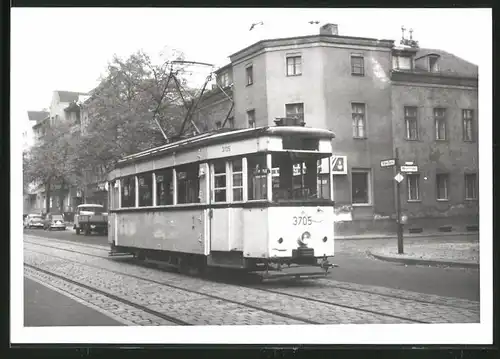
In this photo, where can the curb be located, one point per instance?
(394, 236)
(456, 264)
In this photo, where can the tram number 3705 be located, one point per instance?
(302, 220)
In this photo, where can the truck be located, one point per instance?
(91, 218)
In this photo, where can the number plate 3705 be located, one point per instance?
(302, 220)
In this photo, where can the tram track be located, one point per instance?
(280, 314)
(259, 288)
(324, 282)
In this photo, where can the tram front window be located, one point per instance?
(296, 176)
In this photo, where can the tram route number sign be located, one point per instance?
(388, 163)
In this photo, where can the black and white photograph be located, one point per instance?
(251, 175)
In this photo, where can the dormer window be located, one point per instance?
(433, 64)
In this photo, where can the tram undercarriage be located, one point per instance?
(265, 268)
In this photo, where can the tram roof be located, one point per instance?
(210, 138)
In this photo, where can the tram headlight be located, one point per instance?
(280, 240)
(325, 239)
(304, 238)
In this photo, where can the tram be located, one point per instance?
(253, 200)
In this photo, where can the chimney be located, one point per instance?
(329, 29)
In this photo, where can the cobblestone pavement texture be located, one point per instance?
(384, 300)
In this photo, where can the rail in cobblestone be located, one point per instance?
(363, 311)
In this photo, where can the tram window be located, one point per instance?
(237, 174)
(164, 187)
(188, 184)
(257, 173)
(324, 186)
(145, 189)
(128, 191)
(115, 193)
(220, 181)
(298, 177)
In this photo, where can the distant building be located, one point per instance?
(375, 97)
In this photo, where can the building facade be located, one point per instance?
(365, 91)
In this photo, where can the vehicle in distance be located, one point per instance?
(54, 221)
(33, 221)
(91, 218)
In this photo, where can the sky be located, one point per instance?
(68, 48)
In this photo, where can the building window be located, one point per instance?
(295, 110)
(358, 120)
(224, 79)
(401, 62)
(249, 73)
(257, 177)
(220, 182)
(237, 178)
(413, 183)
(188, 184)
(411, 123)
(360, 181)
(440, 123)
(230, 122)
(442, 186)
(433, 64)
(164, 187)
(145, 189)
(357, 65)
(471, 186)
(128, 192)
(251, 118)
(467, 125)
(294, 65)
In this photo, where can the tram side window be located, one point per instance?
(145, 189)
(188, 184)
(164, 187)
(237, 173)
(128, 191)
(114, 196)
(257, 181)
(324, 186)
(220, 176)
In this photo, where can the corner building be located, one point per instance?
(359, 88)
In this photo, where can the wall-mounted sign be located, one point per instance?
(388, 163)
(409, 168)
(338, 163)
(399, 177)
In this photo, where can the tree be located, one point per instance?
(51, 161)
(136, 105)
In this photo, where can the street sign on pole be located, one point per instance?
(399, 177)
(409, 168)
(388, 163)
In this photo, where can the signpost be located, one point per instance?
(398, 177)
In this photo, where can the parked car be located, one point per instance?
(54, 221)
(91, 218)
(33, 221)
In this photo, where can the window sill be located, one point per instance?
(442, 200)
(412, 139)
(469, 141)
(414, 201)
(293, 75)
(247, 85)
(362, 205)
(357, 75)
(472, 199)
(360, 138)
(441, 140)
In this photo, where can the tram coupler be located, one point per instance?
(326, 265)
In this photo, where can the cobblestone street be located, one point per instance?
(144, 296)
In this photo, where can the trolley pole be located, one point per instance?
(398, 206)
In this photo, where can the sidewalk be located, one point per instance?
(460, 250)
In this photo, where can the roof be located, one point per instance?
(37, 116)
(225, 135)
(68, 96)
(448, 63)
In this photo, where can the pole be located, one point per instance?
(398, 207)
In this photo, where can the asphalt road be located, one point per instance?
(356, 267)
(46, 307)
